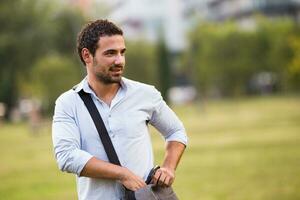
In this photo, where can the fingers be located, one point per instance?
(156, 177)
(132, 181)
(134, 186)
(140, 183)
(163, 177)
(167, 181)
(135, 183)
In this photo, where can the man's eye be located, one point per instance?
(110, 53)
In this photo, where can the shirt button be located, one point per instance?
(109, 115)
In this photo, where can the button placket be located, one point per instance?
(108, 122)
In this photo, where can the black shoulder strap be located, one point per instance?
(106, 141)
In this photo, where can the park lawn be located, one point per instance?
(241, 149)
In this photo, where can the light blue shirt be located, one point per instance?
(76, 140)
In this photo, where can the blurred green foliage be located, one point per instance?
(225, 57)
(294, 64)
(32, 31)
(53, 73)
(141, 62)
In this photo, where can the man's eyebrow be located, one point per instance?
(114, 50)
(110, 50)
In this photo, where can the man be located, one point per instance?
(126, 107)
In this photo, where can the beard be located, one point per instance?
(108, 77)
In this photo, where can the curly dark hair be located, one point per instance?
(90, 34)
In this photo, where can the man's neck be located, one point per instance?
(106, 92)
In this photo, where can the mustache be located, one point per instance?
(116, 66)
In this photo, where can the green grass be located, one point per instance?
(238, 150)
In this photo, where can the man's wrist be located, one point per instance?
(121, 173)
(169, 167)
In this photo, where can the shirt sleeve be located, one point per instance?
(66, 139)
(166, 121)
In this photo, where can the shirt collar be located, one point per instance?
(85, 86)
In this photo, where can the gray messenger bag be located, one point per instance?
(150, 192)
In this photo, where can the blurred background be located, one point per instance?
(230, 69)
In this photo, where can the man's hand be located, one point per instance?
(131, 181)
(164, 177)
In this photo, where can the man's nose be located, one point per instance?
(120, 59)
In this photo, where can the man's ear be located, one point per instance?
(86, 56)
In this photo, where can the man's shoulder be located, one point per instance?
(67, 96)
(136, 85)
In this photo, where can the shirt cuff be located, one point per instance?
(81, 158)
(178, 136)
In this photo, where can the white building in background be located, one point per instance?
(152, 19)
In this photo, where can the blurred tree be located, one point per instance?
(65, 25)
(21, 41)
(226, 57)
(164, 68)
(32, 30)
(279, 53)
(51, 76)
(141, 62)
(294, 65)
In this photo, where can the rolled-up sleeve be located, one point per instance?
(166, 121)
(66, 139)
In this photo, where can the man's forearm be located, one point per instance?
(174, 151)
(166, 174)
(96, 168)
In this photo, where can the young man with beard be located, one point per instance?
(126, 107)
